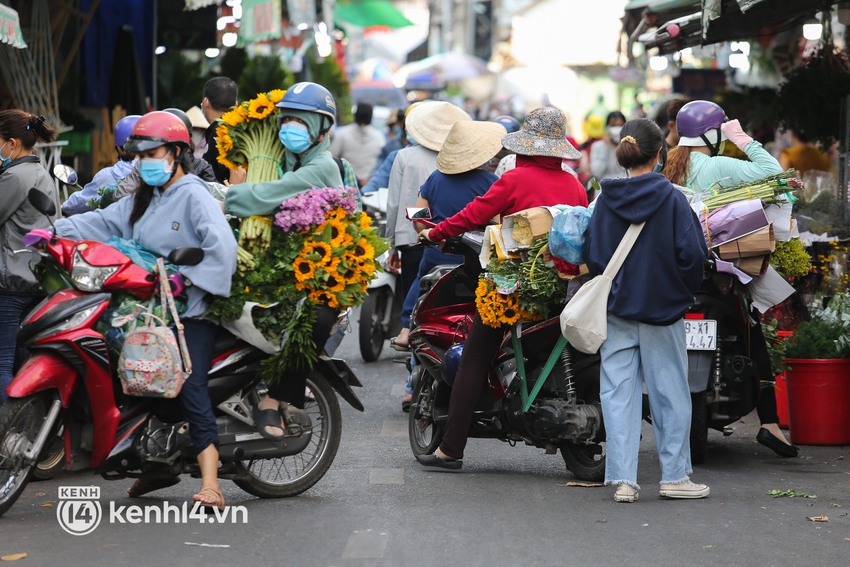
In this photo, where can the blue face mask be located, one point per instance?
(295, 137)
(155, 172)
(4, 161)
(411, 141)
(397, 131)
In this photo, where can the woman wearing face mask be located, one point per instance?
(173, 208)
(703, 130)
(603, 156)
(307, 115)
(20, 170)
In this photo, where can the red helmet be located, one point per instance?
(156, 129)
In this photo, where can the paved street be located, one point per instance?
(509, 506)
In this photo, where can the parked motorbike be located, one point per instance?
(69, 383)
(723, 379)
(380, 313)
(539, 392)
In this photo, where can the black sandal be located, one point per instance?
(268, 418)
(144, 485)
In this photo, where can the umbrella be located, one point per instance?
(440, 69)
(374, 69)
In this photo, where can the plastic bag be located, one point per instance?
(566, 237)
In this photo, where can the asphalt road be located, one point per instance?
(508, 506)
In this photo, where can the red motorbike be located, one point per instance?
(540, 390)
(69, 386)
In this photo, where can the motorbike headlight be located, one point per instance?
(87, 277)
(71, 322)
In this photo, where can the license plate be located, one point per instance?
(700, 334)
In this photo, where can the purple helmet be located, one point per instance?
(124, 128)
(698, 124)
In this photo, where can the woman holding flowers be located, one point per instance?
(307, 114)
(538, 180)
(703, 127)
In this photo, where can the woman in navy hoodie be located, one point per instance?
(649, 296)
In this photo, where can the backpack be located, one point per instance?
(150, 364)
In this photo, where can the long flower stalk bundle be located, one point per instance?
(767, 189)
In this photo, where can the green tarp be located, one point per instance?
(260, 20)
(368, 13)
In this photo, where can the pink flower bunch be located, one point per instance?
(311, 207)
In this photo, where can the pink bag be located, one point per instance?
(150, 364)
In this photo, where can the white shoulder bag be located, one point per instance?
(584, 321)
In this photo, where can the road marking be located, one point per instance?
(398, 390)
(394, 428)
(368, 544)
(386, 476)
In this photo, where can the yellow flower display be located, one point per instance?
(247, 136)
(276, 95)
(322, 249)
(260, 107)
(304, 269)
(496, 309)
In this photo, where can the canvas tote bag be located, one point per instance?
(584, 321)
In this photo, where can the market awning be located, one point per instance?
(746, 19)
(369, 13)
(10, 28)
(260, 21)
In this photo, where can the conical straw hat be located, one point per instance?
(430, 123)
(470, 145)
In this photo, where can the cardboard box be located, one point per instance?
(520, 229)
(755, 266)
(758, 243)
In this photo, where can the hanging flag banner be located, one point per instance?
(301, 12)
(10, 28)
(260, 20)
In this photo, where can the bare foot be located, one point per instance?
(776, 432)
(269, 403)
(402, 338)
(443, 455)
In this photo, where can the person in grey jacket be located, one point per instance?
(172, 209)
(20, 170)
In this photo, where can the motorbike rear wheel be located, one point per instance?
(21, 419)
(587, 462)
(292, 475)
(371, 329)
(425, 435)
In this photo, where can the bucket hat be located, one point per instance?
(470, 145)
(430, 123)
(543, 134)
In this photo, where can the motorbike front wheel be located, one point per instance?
(425, 435)
(292, 475)
(52, 458)
(21, 419)
(371, 331)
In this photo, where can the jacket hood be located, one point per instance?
(546, 162)
(636, 199)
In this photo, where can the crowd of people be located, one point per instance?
(433, 154)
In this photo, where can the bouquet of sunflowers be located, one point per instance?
(321, 250)
(520, 290)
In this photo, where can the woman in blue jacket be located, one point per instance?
(172, 209)
(649, 296)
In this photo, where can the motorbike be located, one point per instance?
(722, 377)
(68, 385)
(380, 313)
(540, 390)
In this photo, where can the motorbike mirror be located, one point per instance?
(418, 213)
(41, 202)
(186, 256)
(65, 174)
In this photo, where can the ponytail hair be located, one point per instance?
(144, 193)
(640, 141)
(24, 127)
(678, 165)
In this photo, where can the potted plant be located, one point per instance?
(818, 376)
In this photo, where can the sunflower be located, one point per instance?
(234, 117)
(338, 214)
(322, 296)
(304, 269)
(260, 107)
(223, 142)
(364, 221)
(276, 95)
(322, 249)
(511, 312)
(222, 159)
(363, 249)
(335, 282)
(338, 235)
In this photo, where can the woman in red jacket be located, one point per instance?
(537, 181)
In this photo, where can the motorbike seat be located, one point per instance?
(225, 341)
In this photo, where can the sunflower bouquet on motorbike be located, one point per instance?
(321, 249)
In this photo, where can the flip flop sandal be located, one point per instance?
(400, 348)
(268, 418)
(210, 498)
(143, 486)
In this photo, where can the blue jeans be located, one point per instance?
(431, 258)
(13, 309)
(194, 398)
(658, 354)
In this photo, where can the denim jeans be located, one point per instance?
(431, 258)
(13, 309)
(658, 354)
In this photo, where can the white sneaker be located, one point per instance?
(683, 490)
(626, 493)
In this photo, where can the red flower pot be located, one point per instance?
(819, 401)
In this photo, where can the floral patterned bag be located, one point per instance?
(151, 364)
